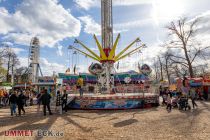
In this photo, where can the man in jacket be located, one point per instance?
(64, 100)
(45, 98)
(21, 102)
(13, 102)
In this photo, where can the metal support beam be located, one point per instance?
(112, 52)
(129, 53)
(123, 51)
(88, 55)
(102, 53)
(79, 42)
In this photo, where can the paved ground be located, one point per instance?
(155, 123)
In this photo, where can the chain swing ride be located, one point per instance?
(106, 73)
(107, 49)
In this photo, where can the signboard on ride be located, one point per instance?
(95, 68)
(59, 81)
(46, 79)
(145, 69)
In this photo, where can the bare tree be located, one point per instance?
(21, 75)
(156, 68)
(183, 32)
(11, 60)
(167, 64)
(161, 68)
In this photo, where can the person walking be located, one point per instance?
(13, 102)
(80, 83)
(164, 96)
(193, 97)
(58, 102)
(21, 102)
(169, 103)
(45, 98)
(64, 100)
(38, 97)
(5, 98)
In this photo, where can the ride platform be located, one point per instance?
(113, 101)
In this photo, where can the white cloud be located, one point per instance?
(23, 61)
(7, 43)
(127, 64)
(46, 19)
(203, 34)
(204, 22)
(87, 4)
(18, 50)
(132, 24)
(48, 67)
(90, 25)
(59, 50)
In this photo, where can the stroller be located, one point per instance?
(175, 102)
(183, 104)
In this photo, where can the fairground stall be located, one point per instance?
(206, 86)
(201, 84)
(45, 82)
(22, 86)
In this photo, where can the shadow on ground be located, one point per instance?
(125, 123)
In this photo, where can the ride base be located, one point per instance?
(113, 101)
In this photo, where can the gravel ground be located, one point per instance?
(148, 124)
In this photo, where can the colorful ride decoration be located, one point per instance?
(114, 102)
(90, 78)
(67, 71)
(145, 69)
(127, 80)
(95, 68)
(195, 82)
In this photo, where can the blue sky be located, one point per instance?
(58, 22)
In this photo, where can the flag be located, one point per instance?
(138, 65)
(118, 65)
(74, 68)
(68, 71)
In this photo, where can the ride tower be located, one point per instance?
(33, 60)
(106, 78)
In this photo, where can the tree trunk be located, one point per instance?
(190, 69)
(167, 72)
(161, 69)
(8, 68)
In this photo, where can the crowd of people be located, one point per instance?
(173, 99)
(4, 97)
(19, 98)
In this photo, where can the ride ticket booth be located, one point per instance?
(46, 82)
(206, 87)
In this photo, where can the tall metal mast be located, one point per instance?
(107, 40)
(106, 25)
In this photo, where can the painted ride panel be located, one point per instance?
(119, 101)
